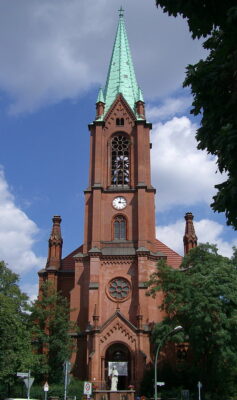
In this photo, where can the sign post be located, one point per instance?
(28, 382)
(46, 389)
(87, 389)
(199, 385)
(67, 368)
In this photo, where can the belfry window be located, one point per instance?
(119, 121)
(120, 228)
(120, 160)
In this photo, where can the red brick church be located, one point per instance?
(105, 277)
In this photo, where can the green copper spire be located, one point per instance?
(121, 76)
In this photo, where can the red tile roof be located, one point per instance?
(173, 258)
(68, 262)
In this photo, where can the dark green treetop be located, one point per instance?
(51, 334)
(201, 296)
(213, 84)
(15, 338)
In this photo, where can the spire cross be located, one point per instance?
(121, 11)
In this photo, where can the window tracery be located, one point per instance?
(119, 288)
(120, 227)
(120, 160)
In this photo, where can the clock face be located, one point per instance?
(119, 203)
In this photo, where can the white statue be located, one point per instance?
(114, 379)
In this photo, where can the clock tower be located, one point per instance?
(105, 278)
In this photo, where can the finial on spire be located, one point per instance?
(121, 12)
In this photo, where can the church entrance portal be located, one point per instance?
(118, 354)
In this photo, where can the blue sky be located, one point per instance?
(54, 57)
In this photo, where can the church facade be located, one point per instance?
(105, 278)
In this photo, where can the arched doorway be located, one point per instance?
(119, 354)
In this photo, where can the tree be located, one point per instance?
(51, 329)
(214, 86)
(202, 297)
(15, 340)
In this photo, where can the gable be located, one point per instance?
(119, 109)
(118, 325)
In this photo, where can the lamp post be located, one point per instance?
(173, 332)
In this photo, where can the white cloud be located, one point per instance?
(17, 233)
(55, 50)
(206, 231)
(169, 108)
(31, 290)
(182, 174)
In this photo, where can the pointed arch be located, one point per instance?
(119, 227)
(120, 160)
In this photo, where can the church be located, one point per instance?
(105, 277)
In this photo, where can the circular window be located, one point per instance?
(119, 289)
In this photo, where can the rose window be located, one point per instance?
(119, 288)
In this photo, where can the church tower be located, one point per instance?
(105, 278)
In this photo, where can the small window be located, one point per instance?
(119, 121)
(120, 228)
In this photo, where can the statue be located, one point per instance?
(114, 379)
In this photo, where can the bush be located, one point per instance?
(75, 388)
(18, 390)
(14, 390)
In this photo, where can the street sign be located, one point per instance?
(28, 382)
(22, 374)
(160, 383)
(88, 388)
(46, 387)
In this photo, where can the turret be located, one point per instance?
(190, 238)
(100, 104)
(140, 105)
(55, 245)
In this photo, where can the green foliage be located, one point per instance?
(75, 388)
(18, 390)
(202, 297)
(15, 339)
(147, 384)
(214, 87)
(51, 334)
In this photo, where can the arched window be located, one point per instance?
(120, 228)
(120, 160)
